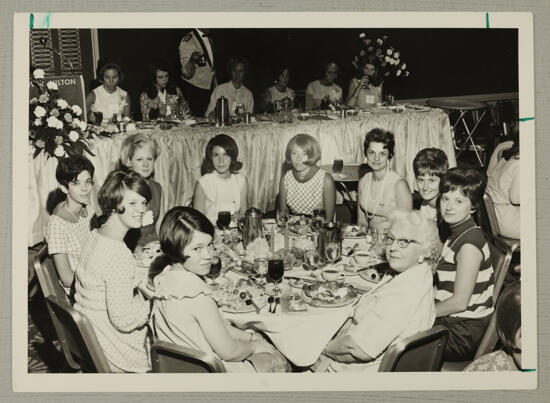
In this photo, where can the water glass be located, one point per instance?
(333, 251)
(261, 263)
(215, 269)
(312, 259)
(318, 218)
(337, 166)
(282, 217)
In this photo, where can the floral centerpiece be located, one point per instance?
(54, 125)
(391, 62)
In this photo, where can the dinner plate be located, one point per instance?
(244, 271)
(202, 124)
(246, 308)
(338, 304)
(300, 282)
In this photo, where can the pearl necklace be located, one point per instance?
(370, 216)
(77, 218)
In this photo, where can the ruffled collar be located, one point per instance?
(177, 282)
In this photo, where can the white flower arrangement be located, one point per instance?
(391, 64)
(54, 126)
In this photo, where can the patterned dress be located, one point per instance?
(170, 105)
(495, 361)
(65, 237)
(105, 293)
(108, 103)
(303, 198)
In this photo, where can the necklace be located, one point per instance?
(370, 216)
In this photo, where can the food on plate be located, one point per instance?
(297, 304)
(354, 231)
(371, 275)
(239, 297)
(147, 253)
(299, 224)
(328, 293)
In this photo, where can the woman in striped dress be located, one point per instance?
(464, 294)
(306, 187)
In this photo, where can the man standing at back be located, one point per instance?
(197, 68)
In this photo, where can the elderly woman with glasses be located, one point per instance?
(400, 307)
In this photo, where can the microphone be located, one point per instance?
(44, 42)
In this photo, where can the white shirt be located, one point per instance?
(241, 95)
(222, 194)
(402, 307)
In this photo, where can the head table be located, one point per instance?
(261, 149)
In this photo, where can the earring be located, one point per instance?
(420, 259)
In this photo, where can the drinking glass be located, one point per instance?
(275, 271)
(337, 166)
(98, 118)
(369, 239)
(312, 259)
(282, 217)
(215, 269)
(239, 109)
(318, 218)
(261, 263)
(333, 251)
(224, 219)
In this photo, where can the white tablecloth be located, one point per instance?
(261, 149)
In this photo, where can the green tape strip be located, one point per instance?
(528, 370)
(487, 20)
(526, 119)
(46, 21)
(31, 23)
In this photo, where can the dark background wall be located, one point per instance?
(442, 62)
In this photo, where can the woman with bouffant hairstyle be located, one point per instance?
(106, 279)
(184, 311)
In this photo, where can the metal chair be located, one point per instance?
(171, 358)
(420, 352)
(513, 243)
(77, 336)
(47, 275)
(501, 256)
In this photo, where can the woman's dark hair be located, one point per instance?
(109, 66)
(232, 63)
(326, 64)
(377, 135)
(431, 162)
(278, 70)
(176, 231)
(230, 147)
(469, 181)
(508, 315)
(151, 83)
(112, 192)
(363, 61)
(69, 168)
(512, 151)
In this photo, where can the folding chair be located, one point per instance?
(420, 352)
(514, 244)
(77, 336)
(170, 358)
(47, 275)
(501, 256)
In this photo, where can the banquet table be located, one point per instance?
(261, 149)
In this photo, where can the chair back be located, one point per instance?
(501, 256)
(169, 357)
(420, 352)
(77, 336)
(47, 275)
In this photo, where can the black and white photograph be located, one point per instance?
(308, 202)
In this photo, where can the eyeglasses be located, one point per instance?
(401, 242)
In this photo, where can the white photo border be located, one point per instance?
(23, 381)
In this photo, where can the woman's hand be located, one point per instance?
(365, 82)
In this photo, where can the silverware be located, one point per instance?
(355, 247)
